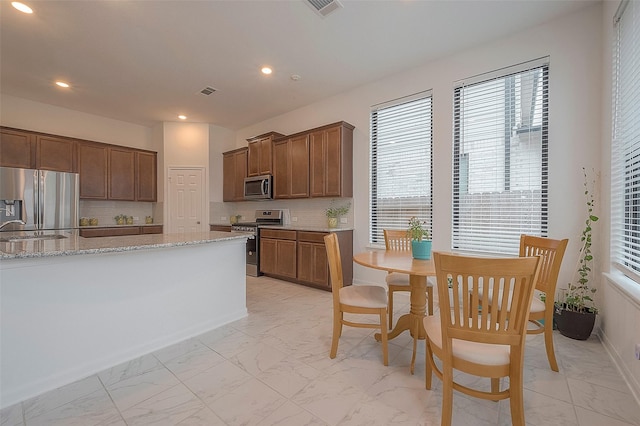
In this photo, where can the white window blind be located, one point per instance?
(401, 147)
(500, 158)
(625, 149)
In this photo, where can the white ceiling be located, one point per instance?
(146, 61)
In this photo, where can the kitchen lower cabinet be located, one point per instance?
(221, 228)
(302, 256)
(278, 253)
(117, 231)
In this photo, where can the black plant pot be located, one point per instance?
(576, 325)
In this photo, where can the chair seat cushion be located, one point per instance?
(537, 305)
(478, 353)
(364, 296)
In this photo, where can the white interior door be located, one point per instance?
(186, 204)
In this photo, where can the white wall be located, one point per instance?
(620, 297)
(574, 46)
(25, 114)
(185, 144)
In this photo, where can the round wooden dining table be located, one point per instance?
(418, 271)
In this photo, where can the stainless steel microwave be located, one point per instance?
(258, 187)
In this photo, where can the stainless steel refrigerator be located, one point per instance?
(42, 199)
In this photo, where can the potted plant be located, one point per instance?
(420, 239)
(575, 312)
(334, 212)
(120, 219)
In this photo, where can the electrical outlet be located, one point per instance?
(136, 218)
(343, 220)
(294, 219)
(638, 351)
(224, 218)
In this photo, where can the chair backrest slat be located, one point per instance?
(487, 299)
(395, 239)
(552, 252)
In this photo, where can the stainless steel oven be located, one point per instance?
(262, 217)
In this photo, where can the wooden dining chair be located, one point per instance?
(552, 252)
(354, 299)
(485, 345)
(399, 240)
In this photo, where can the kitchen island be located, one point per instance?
(70, 307)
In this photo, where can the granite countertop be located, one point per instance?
(73, 244)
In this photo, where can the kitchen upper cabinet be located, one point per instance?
(234, 170)
(17, 148)
(122, 174)
(260, 154)
(278, 253)
(291, 167)
(93, 161)
(330, 161)
(146, 176)
(56, 153)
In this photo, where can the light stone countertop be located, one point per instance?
(76, 245)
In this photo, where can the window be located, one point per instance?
(625, 149)
(401, 147)
(500, 157)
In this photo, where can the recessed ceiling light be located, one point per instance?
(182, 117)
(62, 84)
(21, 7)
(266, 70)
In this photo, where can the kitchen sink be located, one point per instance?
(17, 238)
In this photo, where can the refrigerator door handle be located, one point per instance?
(36, 198)
(41, 198)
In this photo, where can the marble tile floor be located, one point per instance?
(273, 368)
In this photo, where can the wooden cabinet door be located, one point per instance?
(286, 258)
(146, 176)
(313, 267)
(280, 169)
(326, 164)
(92, 166)
(234, 170)
(153, 229)
(268, 253)
(240, 174)
(17, 149)
(122, 174)
(265, 156)
(54, 153)
(253, 160)
(299, 167)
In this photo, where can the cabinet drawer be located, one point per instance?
(312, 237)
(110, 232)
(153, 229)
(222, 228)
(278, 234)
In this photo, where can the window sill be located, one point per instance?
(625, 285)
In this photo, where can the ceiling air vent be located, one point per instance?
(324, 7)
(207, 90)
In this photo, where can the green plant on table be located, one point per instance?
(337, 211)
(418, 229)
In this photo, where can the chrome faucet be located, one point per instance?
(12, 221)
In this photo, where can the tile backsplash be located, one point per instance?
(308, 211)
(105, 211)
